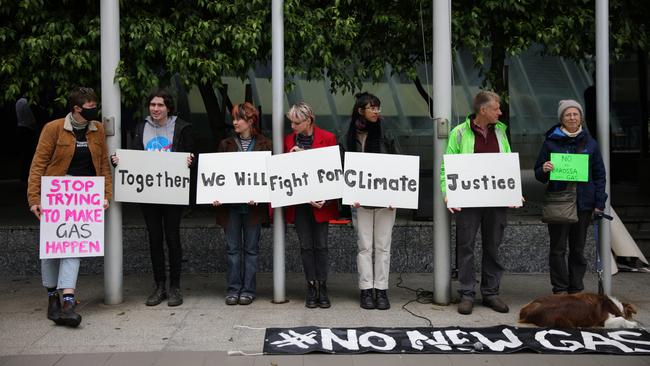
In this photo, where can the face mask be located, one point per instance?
(89, 114)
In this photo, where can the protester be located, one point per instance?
(481, 132)
(374, 225)
(162, 131)
(74, 146)
(312, 219)
(569, 137)
(242, 222)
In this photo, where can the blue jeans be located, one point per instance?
(60, 273)
(242, 259)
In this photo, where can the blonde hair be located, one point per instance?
(300, 111)
(483, 98)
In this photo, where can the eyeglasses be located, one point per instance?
(374, 109)
(84, 90)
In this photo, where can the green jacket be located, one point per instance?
(461, 141)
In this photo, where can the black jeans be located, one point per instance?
(492, 221)
(568, 276)
(313, 243)
(164, 219)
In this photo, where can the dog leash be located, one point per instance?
(599, 264)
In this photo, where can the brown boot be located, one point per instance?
(68, 316)
(54, 309)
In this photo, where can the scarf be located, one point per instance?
(76, 124)
(574, 134)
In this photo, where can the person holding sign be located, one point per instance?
(568, 137)
(374, 225)
(312, 219)
(482, 132)
(74, 146)
(242, 222)
(162, 131)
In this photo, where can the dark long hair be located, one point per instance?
(374, 129)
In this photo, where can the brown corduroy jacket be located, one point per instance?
(54, 153)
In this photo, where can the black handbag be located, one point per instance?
(561, 207)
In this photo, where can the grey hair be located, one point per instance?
(300, 112)
(483, 98)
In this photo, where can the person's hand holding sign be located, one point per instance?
(36, 210)
(317, 204)
(547, 167)
(296, 148)
(452, 209)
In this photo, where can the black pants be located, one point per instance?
(164, 219)
(313, 243)
(568, 276)
(492, 221)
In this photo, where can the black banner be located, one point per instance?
(498, 339)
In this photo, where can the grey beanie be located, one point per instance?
(568, 103)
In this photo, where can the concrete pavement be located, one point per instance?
(207, 328)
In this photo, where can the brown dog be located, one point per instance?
(584, 310)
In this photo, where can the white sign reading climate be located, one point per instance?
(483, 180)
(381, 180)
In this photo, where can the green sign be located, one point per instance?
(570, 167)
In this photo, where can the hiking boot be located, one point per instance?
(382, 302)
(54, 309)
(158, 295)
(323, 299)
(311, 300)
(465, 305)
(68, 316)
(175, 296)
(232, 299)
(496, 304)
(366, 299)
(245, 300)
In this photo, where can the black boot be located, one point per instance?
(366, 300)
(158, 295)
(312, 295)
(323, 299)
(382, 302)
(54, 309)
(68, 316)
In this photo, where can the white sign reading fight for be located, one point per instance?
(381, 180)
(152, 177)
(300, 177)
(233, 177)
(72, 217)
(483, 180)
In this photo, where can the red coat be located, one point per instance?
(330, 210)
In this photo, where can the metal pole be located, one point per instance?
(602, 103)
(441, 65)
(111, 110)
(277, 60)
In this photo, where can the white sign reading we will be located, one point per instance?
(233, 177)
(72, 217)
(483, 180)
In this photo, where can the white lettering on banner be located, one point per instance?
(327, 336)
(592, 340)
(566, 344)
(618, 335)
(416, 338)
(389, 342)
(296, 339)
(499, 345)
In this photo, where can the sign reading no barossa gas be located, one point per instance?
(72, 217)
(483, 180)
(570, 167)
